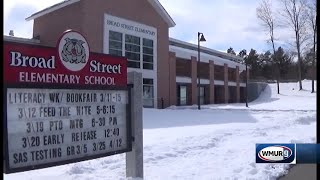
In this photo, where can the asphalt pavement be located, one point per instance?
(301, 172)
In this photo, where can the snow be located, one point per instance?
(217, 142)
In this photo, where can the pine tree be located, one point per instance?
(283, 60)
(231, 51)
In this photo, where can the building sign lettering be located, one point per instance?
(130, 27)
(63, 104)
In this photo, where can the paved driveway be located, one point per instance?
(301, 172)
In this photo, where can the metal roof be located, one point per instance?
(190, 46)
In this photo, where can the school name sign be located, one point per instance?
(63, 104)
(69, 63)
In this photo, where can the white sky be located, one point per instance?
(225, 23)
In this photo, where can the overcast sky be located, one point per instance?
(225, 23)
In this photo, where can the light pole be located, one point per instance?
(246, 83)
(200, 38)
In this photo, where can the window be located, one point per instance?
(148, 96)
(219, 72)
(132, 47)
(182, 95)
(147, 54)
(201, 95)
(115, 43)
(232, 74)
(232, 94)
(135, 49)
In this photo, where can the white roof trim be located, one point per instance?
(231, 83)
(218, 82)
(204, 81)
(204, 48)
(155, 4)
(162, 12)
(243, 84)
(20, 39)
(181, 79)
(51, 9)
(187, 53)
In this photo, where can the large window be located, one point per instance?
(132, 47)
(136, 49)
(147, 54)
(115, 43)
(148, 92)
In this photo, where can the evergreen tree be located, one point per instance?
(231, 51)
(283, 61)
(306, 64)
(243, 54)
(266, 60)
(254, 63)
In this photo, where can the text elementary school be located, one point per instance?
(63, 104)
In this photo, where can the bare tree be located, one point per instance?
(312, 10)
(266, 15)
(294, 13)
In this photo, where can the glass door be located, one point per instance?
(148, 95)
(183, 95)
(201, 95)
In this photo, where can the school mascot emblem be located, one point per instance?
(73, 50)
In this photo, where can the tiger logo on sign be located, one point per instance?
(73, 51)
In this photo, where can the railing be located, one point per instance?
(161, 101)
(272, 80)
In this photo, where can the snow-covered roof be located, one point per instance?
(191, 46)
(204, 57)
(155, 4)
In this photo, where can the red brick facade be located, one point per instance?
(90, 22)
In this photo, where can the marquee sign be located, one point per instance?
(71, 64)
(63, 104)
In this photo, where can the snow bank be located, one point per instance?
(289, 99)
(214, 143)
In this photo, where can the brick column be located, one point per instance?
(211, 78)
(172, 79)
(238, 84)
(194, 89)
(226, 90)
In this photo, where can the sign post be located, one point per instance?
(134, 159)
(64, 104)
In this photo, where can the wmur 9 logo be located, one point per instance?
(276, 153)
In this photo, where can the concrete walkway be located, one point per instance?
(301, 172)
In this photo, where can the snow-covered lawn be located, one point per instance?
(217, 142)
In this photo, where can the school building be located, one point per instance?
(139, 30)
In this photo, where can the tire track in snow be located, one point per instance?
(213, 145)
(184, 147)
